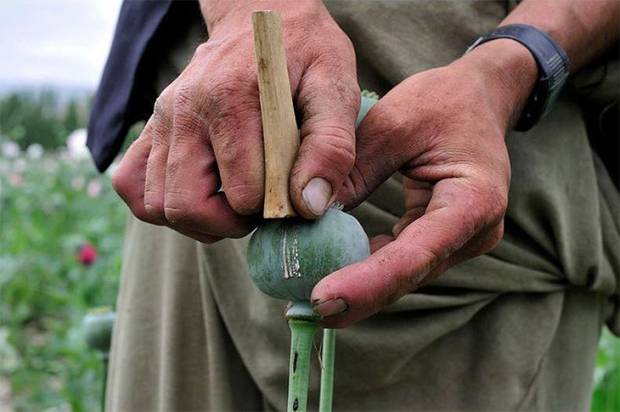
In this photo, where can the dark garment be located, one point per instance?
(126, 93)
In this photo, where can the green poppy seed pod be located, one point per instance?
(97, 329)
(287, 257)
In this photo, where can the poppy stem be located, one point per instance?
(302, 335)
(327, 374)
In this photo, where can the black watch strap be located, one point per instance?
(553, 68)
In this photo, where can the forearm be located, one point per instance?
(583, 28)
(214, 11)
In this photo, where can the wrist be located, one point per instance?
(507, 70)
(217, 11)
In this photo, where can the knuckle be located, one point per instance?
(244, 199)
(184, 95)
(484, 205)
(230, 100)
(186, 98)
(357, 187)
(338, 145)
(125, 186)
(232, 111)
(430, 259)
(153, 206)
(154, 213)
(497, 202)
(495, 237)
(203, 50)
(349, 48)
(187, 118)
(162, 106)
(177, 207)
(187, 123)
(121, 182)
(177, 213)
(341, 54)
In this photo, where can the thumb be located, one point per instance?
(329, 108)
(420, 251)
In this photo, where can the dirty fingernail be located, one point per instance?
(330, 307)
(316, 195)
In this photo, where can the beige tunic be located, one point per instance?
(516, 329)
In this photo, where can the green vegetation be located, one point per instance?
(41, 117)
(49, 208)
(606, 397)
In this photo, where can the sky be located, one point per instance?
(55, 42)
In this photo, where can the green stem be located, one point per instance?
(302, 334)
(327, 374)
(105, 358)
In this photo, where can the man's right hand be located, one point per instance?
(205, 131)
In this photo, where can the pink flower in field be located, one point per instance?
(86, 254)
(94, 188)
(16, 179)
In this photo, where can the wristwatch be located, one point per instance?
(553, 68)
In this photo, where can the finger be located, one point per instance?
(329, 105)
(191, 199)
(417, 193)
(480, 244)
(232, 112)
(379, 241)
(455, 215)
(417, 196)
(377, 154)
(129, 177)
(199, 236)
(158, 128)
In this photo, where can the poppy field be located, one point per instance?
(60, 256)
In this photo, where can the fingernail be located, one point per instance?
(316, 195)
(330, 307)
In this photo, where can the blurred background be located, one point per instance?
(61, 225)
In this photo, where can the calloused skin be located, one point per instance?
(205, 131)
(444, 134)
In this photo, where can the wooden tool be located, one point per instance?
(280, 134)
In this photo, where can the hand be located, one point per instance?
(205, 132)
(444, 130)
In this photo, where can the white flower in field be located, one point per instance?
(10, 149)
(35, 151)
(94, 188)
(112, 168)
(76, 144)
(78, 182)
